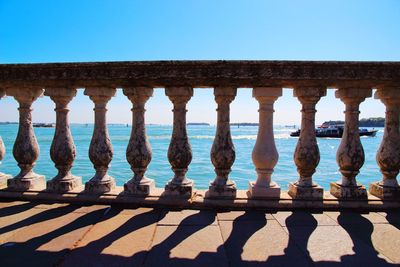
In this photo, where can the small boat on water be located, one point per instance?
(44, 125)
(335, 131)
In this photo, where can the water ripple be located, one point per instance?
(201, 169)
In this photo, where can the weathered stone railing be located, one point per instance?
(353, 82)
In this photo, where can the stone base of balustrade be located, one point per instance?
(3, 179)
(100, 187)
(261, 192)
(299, 192)
(179, 190)
(139, 189)
(66, 185)
(199, 200)
(384, 192)
(24, 184)
(348, 192)
(228, 191)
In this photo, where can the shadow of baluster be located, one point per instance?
(360, 230)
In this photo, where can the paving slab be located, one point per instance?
(331, 245)
(260, 243)
(393, 217)
(244, 216)
(51, 206)
(349, 217)
(40, 234)
(11, 224)
(188, 217)
(302, 218)
(36, 205)
(384, 238)
(187, 245)
(92, 208)
(47, 237)
(122, 238)
(12, 208)
(133, 211)
(4, 204)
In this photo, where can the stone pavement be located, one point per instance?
(37, 234)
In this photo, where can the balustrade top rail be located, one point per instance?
(204, 74)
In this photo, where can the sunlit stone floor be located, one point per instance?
(35, 234)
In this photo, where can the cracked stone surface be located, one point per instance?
(223, 151)
(306, 155)
(138, 152)
(62, 150)
(388, 155)
(203, 73)
(350, 154)
(100, 149)
(179, 150)
(26, 149)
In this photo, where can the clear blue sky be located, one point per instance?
(95, 30)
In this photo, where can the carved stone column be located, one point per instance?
(265, 156)
(3, 177)
(350, 154)
(62, 149)
(223, 151)
(138, 152)
(100, 150)
(306, 155)
(179, 151)
(26, 149)
(388, 155)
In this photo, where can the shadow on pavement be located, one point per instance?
(229, 253)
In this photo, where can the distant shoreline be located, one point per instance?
(369, 122)
(198, 124)
(365, 122)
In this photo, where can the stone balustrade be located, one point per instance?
(353, 82)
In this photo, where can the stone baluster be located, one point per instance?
(179, 151)
(100, 150)
(3, 177)
(350, 154)
(26, 149)
(138, 152)
(223, 150)
(388, 155)
(306, 155)
(62, 149)
(265, 156)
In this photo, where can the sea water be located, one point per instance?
(201, 169)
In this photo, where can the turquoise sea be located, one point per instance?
(201, 169)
